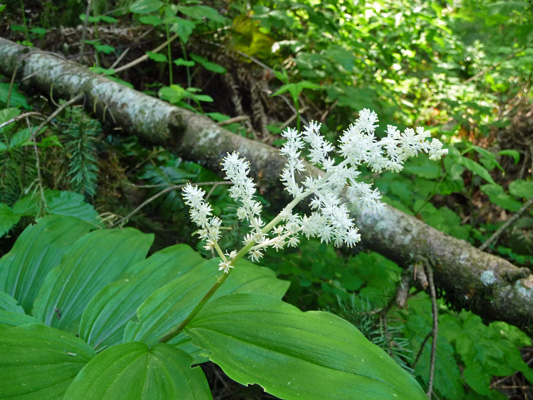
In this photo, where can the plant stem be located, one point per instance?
(239, 255)
(196, 309)
(207, 296)
(187, 69)
(24, 21)
(169, 50)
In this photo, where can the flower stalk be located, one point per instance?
(329, 220)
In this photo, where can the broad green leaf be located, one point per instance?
(292, 354)
(173, 93)
(488, 159)
(186, 63)
(157, 57)
(169, 305)
(108, 19)
(151, 20)
(37, 250)
(8, 303)
(21, 138)
(9, 318)
(133, 371)
(498, 196)
(94, 261)
(39, 362)
(8, 219)
(422, 166)
(208, 65)
(145, 6)
(184, 28)
(448, 382)
(107, 314)
(521, 188)
(104, 48)
(296, 88)
(200, 12)
(103, 71)
(59, 203)
(511, 153)
(8, 114)
(476, 169)
(17, 99)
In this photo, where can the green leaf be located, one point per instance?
(107, 314)
(8, 303)
(151, 20)
(10, 319)
(133, 371)
(8, 113)
(296, 88)
(157, 57)
(104, 48)
(184, 29)
(17, 99)
(38, 31)
(21, 138)
(49, 141)
(38, 362)
(511, 153)
(200, 12)
(422, 166)
(173, 93)
(210, 66)
(476, 169)
(58, 203)
(37, 250)
(500, 198)
(181, 61)
(488, 159)
(169, 305)
(146, 6)
(7, 219)
(521, 188)
(103, 71)
(448, 380)
(292, 354)
(94, 261)
(108, 19)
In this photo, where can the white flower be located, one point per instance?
(225, 266)
(201, 215)
(330, 219)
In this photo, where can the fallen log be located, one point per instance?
(468, 278)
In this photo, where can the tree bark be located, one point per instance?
(468, 278)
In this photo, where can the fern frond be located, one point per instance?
(79, 138)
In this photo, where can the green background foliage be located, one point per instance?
(462, 70)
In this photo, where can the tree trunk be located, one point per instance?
(485, 284)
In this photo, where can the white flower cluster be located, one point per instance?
(329, 219)
(201, 215)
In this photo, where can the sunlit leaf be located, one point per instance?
(39, 362)
(292, 354)
(134, 371)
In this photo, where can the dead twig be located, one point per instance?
(19, 117)
(84, 31)
(434, 331)
(233, 120)
(123, 220)
(507, 224)
(145, 56)
(72, 101)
